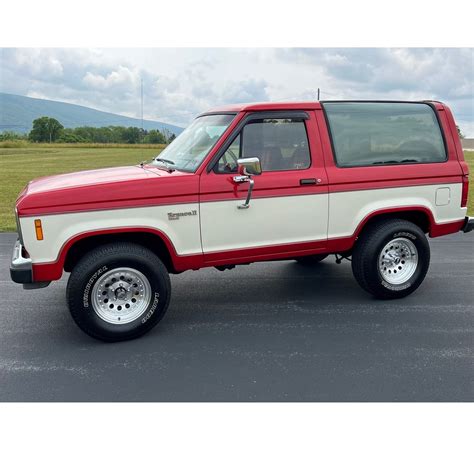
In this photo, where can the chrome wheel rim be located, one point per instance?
(398, 261)
(121, 295)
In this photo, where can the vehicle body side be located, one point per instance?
(287, 219)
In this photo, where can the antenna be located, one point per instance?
(142, 134)
(141, 92)
(318, 94)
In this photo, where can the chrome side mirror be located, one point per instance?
(246, 168)
(249, 166)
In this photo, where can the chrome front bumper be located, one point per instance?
(468, 224)
(21, 269)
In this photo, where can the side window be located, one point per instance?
(280, 144)
(365, 134)
(228, 161)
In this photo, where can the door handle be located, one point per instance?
(308, 181)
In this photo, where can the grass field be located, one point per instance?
(20, 165)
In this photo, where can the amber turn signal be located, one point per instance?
(39, 229)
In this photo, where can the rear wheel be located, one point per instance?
(391, 258)
(311, 259)
(118, 291)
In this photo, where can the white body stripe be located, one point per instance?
(222, 226)
(59, 228)
(348, 209)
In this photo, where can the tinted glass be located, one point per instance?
(384, 133)
(280, 144)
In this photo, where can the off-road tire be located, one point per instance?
(105, 259)
(367, 251)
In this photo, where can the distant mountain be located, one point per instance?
(18, 112)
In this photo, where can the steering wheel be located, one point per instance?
(227, 164)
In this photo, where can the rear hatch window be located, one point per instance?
(365, 134)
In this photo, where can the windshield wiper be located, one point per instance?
(385, 162)
(166, 163)
(396, 162)
(165, 160)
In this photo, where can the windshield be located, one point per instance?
(190, 148)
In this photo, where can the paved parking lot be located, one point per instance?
(264, 332)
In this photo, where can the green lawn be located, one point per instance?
(20, 165)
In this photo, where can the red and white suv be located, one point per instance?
(367, 180)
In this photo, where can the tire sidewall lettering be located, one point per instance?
(152, 309)
(405, 234)
(90, 283)
(395, 287)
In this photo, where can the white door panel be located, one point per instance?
(267, 222)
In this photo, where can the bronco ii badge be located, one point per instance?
(176, 216)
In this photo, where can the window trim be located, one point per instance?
(256, 116)
(333, 148)
(216, 113)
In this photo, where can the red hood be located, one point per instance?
(117, 187)
(90, 177)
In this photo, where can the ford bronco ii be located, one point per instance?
(364, 180)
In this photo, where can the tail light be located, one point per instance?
(465, 190)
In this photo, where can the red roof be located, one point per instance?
(265, 106)
(275, 106)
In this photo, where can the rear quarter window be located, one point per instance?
(365, 134)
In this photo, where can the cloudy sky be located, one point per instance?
(180, 82)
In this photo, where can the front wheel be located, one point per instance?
(391, 258)
(118, 291)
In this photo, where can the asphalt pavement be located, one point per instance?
(273, 331)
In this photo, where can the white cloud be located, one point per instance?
(38, 63)
(246, 91)
(122, 78)
(180, 83)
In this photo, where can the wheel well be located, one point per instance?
(148, 240)
(419, 218)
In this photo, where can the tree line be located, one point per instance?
(49, 129)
